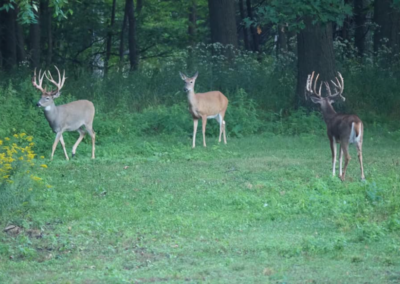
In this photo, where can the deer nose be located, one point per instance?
(185, 89)
(38, 104)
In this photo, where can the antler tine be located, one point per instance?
(38, 86)
(339, 85)
(61, 80)
(328, 89)
(315, 85)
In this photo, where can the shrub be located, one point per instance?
(17, 178)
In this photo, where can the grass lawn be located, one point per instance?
(261, 209)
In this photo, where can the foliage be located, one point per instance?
(17, 174)
(293, 12)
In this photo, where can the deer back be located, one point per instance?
(210, 103)
(71, 116)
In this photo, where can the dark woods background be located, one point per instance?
(125, 57)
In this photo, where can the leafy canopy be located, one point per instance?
(293, 12)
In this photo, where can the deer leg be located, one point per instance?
(195, 123)
(63, 145)
(340, 160)
(333, 149)
(55, 144)
(81, 136)
(220, 119)
(93, 135)
(360, 158)
(345, 149)
(204, 124)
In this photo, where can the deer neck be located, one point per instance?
(328, 112)
(51, 112)
(192, 98)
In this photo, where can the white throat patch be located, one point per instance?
(47, 108)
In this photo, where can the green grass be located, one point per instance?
(261, 209)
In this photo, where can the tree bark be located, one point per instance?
(360, 31)
(192, 27)
(21, 54)
(10, 47)
(122, 35)
(254, 34)
(244, 28)
(133, 52)
(109, 38)
(315, 53)
(34, 42)
(388, 20)
(223, 22)
(282, 40)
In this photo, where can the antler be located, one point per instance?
(312, 89)
(339, 86)
(38, 86)
(60, 83)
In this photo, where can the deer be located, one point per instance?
(207, 105)
(68, 117)
(343, 129)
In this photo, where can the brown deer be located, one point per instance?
(205, 106)
(344, 129)
(68, 117)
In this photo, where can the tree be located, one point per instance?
(109, 38)
(132, 43)
(315, 36)
(223, 22)
(359, 21)
(387, 17)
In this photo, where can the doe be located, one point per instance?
(344, 129)
(67, 117)
(205, 106)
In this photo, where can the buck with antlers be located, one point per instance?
(344, 129)
(68, 117)
(205, 106)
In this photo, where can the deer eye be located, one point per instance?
(47, 98)
(191, 82)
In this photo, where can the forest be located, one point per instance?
(140, 200)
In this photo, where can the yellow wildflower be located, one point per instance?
(21, 158)
(48, 186)
(6, 176)
(41, 157)
(29, 138)
(7, 139)
(44, 166)
(1, 142)
(35, 178)
(22, 135)
(30, 189)
(16, 136)
(31, 144)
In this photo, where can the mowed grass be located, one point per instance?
(261, 209)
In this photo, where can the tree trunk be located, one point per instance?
(139, 6)
(315, 53)
(34, 42)
(10, 48)
(21, 54)
(282, 40)
(244, 28)
(109, 38)
(133, 52)
(254, 34)
(122, 35)
(192, 27)
(388, 20)
(360, 18)
(223, 22)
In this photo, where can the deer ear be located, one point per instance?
(195, 75)
(183, 76)
(315, 99)
(56, 95)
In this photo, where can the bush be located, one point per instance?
(17, 178)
